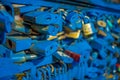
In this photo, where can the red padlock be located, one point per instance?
(75, 56)
(118, 65)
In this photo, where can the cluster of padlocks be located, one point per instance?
(48, 43)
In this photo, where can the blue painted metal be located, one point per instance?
(74, 22)
(18, 43)
(25, 9)
(32, 56)
(50, 29)
(44, 48)
(2, 37)
(63, 57)
(3, 63)
(6, 20)
(22, 57)
(44, 18)
(4, 52)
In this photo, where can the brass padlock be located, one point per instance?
(118, 21)
(87, 29)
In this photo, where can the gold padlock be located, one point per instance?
(118, 21)
(51, 37)
(87, 30)
(54, 37)
(61, 37)
(74, 35)
(60, 33)
(67, 30)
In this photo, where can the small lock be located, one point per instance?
(87, 29)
